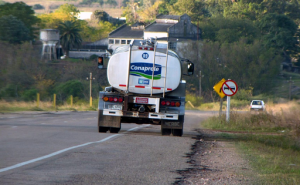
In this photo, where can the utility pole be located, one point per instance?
(290, 88)
(91, 78)
(200, 84)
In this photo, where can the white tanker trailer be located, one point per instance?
(146, 87)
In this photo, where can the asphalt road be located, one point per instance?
(66, 148)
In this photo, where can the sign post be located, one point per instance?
(229, 88)
(218, 89)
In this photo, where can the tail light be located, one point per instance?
(146, 48)
(169, 103)
(113, 99)
(105, 98)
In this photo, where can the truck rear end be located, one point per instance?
(146, 87)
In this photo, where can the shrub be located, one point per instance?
(93, 57)
(8, 92)
(29, 95)
(243, 94)
(72, 87)
(194, 99)
(37, 7)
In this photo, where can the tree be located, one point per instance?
(88, 2)
(101, 15)
(279, 33)
(112, 3)
(38, 7)
(229, 30)
(150, 12)
(130, 12)
(101, 2)
(22, 12)
(245, 63)
(65, 12)
(72, 87)
(69, 35)
(163, 8)
(195, 9)
(13, 30)
(105, 28)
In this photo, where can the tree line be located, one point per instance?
(23, 73)
(245, 40)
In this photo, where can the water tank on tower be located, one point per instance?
(50, 39)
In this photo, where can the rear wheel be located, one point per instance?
(114, 130)
(103, 129)
(165, 131)
(177, 132)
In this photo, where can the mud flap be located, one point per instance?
(108, 121)
(173, 124)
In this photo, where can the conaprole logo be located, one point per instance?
(145, 70)
(145, 55)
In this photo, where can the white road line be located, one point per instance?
(14, 127)
(65, 150)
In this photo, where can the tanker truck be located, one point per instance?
(146, 87)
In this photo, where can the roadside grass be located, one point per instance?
(15, 106)
(269, 140)
(274, 164)
(195, 103)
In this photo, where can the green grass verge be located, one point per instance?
(270, 144)
(275, 165)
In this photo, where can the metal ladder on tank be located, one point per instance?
(165, 77)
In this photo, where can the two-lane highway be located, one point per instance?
(65, 148)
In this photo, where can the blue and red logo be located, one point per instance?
(145, 70)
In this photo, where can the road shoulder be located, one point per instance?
(216, 162)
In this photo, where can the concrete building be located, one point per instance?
(98, 48)
(177, 30)
(124, 34)
(172, 28)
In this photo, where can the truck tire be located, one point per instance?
(165, 131)
(177, 132)
(103, 129)
(114, 130)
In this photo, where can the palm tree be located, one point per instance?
(69, 35)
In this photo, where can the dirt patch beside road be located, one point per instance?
(216, 162)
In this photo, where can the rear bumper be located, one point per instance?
(135, 114)
(257, 109)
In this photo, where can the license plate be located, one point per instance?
(141, 100)
(115, 107)
(172, 124)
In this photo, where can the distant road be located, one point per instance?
(65, 148)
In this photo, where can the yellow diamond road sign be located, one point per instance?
(218, 88)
